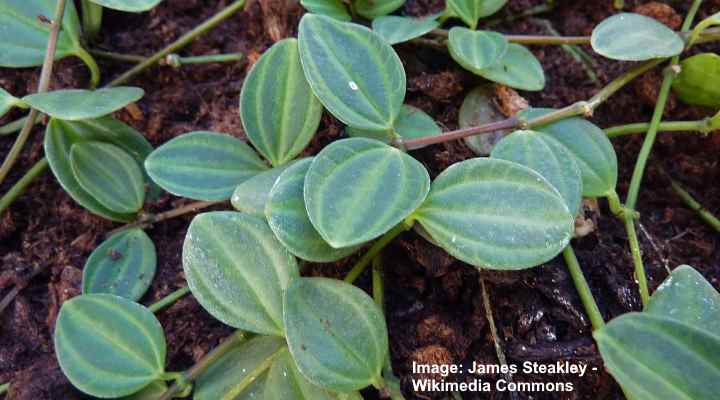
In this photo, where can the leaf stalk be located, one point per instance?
(376, 248)
(583, 289)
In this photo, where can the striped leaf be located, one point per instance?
(78, 104)
(395, 29)
(123, 265)
(478, 108)
(476, 50)
(699, 80)
(496, 214)
(109, 346)
(635, 37)
(545, 155)
(152, 391)
(357, 189)
(251, 196)
(284, 381)
(109, 174)
(128, 5)
(410, 124)
(470, 11)
(237, 270)
(288, 218)
(8, 101)
(203, 165)
(60, 136)
(518, 68)
(279, 112)
(336, 333)
(331, 8)
(373, 8)
(355, 74)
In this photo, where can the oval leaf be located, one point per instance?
(357, 189)
(8, 101)
(470, 11)
(288, 218)
(476, 50)
(395, 29)
(203, 165)
(152, 391)
(635, 37)
(355, 74)
(109, 346)
(331, 8)
(285, 382)
(251, 196)
(496, 214)
(77, 104)
(478, 108)
(547, 156)
(123, 265)
(336, 333)
(699, 80)
(128, 5)
(109, 174)
(237, 270)
(518, 68)
(373, 8)
(279, 112)
(410, 124)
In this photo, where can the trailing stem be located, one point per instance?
(19, 188)
(702, 126)
(150, 219)
(172, 60)
(640, 277)
(583, 289)
(694, 205)
(169, 299)
(376, 248)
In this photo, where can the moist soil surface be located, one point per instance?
(435, 310)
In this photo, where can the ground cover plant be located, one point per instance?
(344, 152)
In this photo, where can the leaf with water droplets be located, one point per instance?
(78, 104)
(395, 29)
(635, 37)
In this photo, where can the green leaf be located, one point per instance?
(279, 112)
(701, 27)
(470, 11)
(76, 104)
(8, 101)
(61, 135)
(373, 8)
(123, 265)
(152, 391)
(478, 108)
(109, 346)
(356, 75)
(288, 218)
(285, 382)
(109, 174)
(635, 37)
(357, 189)
(336, 333)
(331, 8)
(653, 357)
(251, 196)
(203, 165)
(410, 124)
(395, 29)
(518, 68)
(128, 5)
(545, 155)
(476, 50)
(237, 270)
(19, 21)
(589, 145)
(496, 214)
(699, 80)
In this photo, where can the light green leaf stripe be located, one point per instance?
(331, 8)
(8, 101)
(635, 37)
(395, 29)
(203, 165)
(470, 11)
(373, 8)
(355, 74)
(654, 357)
(699, 80)
(378, 183)
(123, 265)
(77, 104)
(237, 270)
(288, 218)
(476, 50)
(279, 111)
(518, 68)
(251, 196)
(109, 346)
(128, 5)
(108, 174)
(548, 157)
(496, 214)
(336, 333)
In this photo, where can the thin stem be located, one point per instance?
(583, 289)
(179, 43)
(13, 126)
(640, 277)
(92, 66)
(169, 299)
(378, 286)
(703, 126)
(45, 74)
(19, 188)
(176, 61)
(375, 250)
(92, 15)
(133, 58)
(151, 219)
(694, 205)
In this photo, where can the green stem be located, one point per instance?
(376, 248)
(180, 43)
(172, 60)
(703, 126)
(92, 15)
(13, 126)
(637, 258)
(583, 289)
(619, 4)
(92, 65)
(169, 299)
(378, 286)
(694, 205)
(20, 187)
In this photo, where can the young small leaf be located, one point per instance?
(237, 270)
(109, 174)
(635, 37)
(518, 68)
(123, 265)
(128, 5)
(288, 218)
(410, 124)
(279, 112)
(336, 333)
(589, 145)
(357, 189)
(373, 8)
(77, 104)
(478, 108)
(699, 80)
(109, 346)
(476, 50)
(251, 196)
(331, 8)
(470, 11)
(496, 214)
(545, 155)
(7, 101)
(203, 165)
(355, 74)
(395, 29)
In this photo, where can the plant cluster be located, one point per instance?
(512, 207)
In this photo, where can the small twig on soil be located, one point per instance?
(658, 250)
(169, 299)
(694, 205)
(14, 292)
(151, 219)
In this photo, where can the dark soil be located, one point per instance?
(434, 305)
